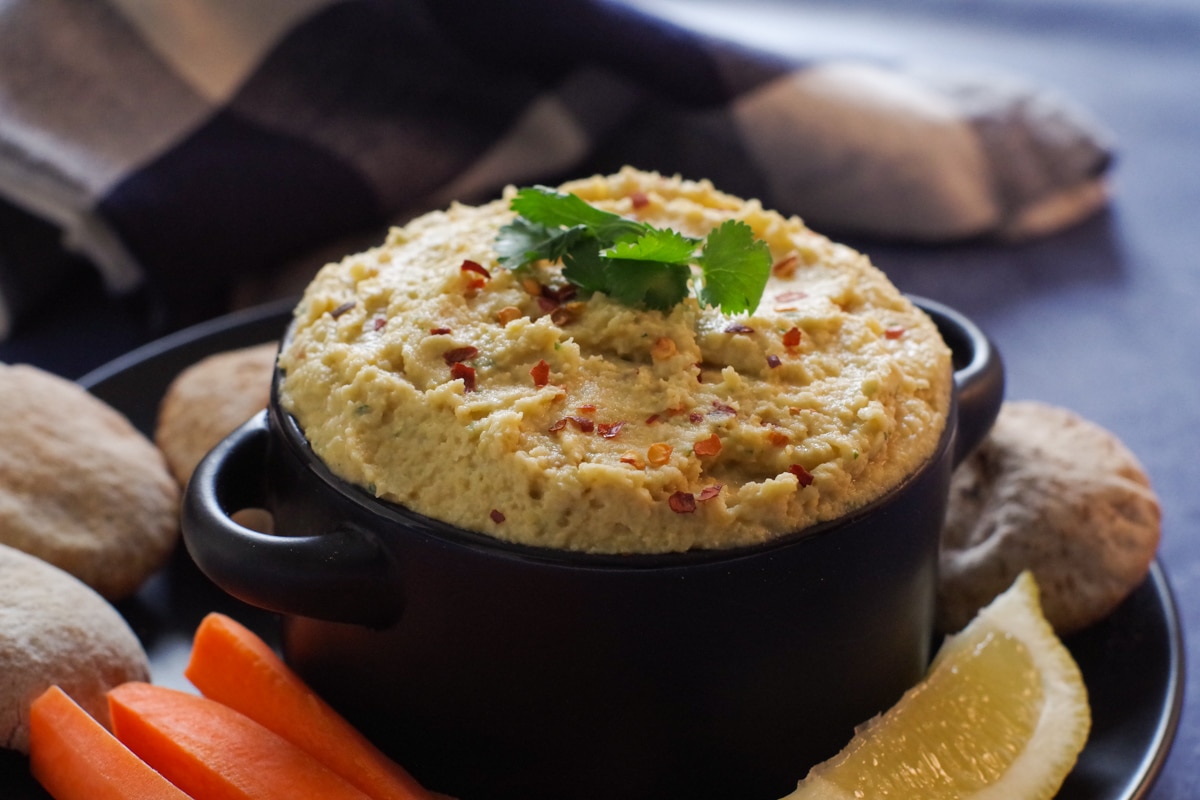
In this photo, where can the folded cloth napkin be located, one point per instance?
(181, 145)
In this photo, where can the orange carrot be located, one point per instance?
(74, 757)
(232, 665)
(214, 753)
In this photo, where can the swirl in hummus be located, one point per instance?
(506, 403)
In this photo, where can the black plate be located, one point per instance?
(1132, 661)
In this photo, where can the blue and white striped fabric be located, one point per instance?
(181, 145)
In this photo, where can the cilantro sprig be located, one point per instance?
(633, 262)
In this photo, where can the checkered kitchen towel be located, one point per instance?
(182, 144)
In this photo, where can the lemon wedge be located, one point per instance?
(1002, 714)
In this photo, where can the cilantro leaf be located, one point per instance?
(665, 246)
(653, 284)
(633, 262)
(651, 270)
(585, 267)
(553, 209)
(522, 242)
(735, 266)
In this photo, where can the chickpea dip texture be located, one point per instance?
(505, 403)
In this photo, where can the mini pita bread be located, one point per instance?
(55, 630)
(209, 400)
(1056, 494)
(80, 487)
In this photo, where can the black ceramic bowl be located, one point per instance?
(498, 671)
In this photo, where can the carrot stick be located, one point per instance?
(232, 665)
(214, 753)
(74, 757)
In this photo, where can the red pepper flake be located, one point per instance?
(639, 199)
(658, 454)
(540, 372)
(707, 447)
(894, 332)
(466, 374)
(778, 438)
(380, 322)
(709, 492)
(790, 297)
(546, 304)
(342, 309)
(695, 417)
(663, 348)
(508, 314)
(738, 327)
(803, 476)
(560, 294)
(474, 266)
(653, 418)
(439, 331)
(792, 337)
(458, 354)
(773, 361)
(723, 408)
(565, 315)
(586, 408)
(581, 424)
(785, 268)
(609, 430)
(633, 459)
(682, 502)
(497, 516)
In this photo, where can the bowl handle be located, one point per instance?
(978, 375)
(344, 575)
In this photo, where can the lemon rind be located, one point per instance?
(1065, 717)
(1062, 727)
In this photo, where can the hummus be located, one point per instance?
(494, 400)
